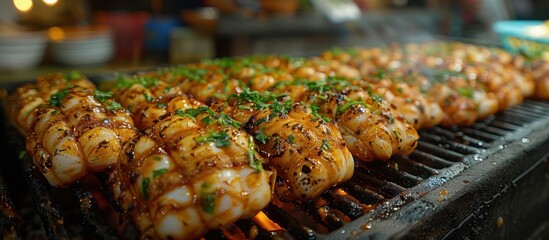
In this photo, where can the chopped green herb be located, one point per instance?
(391, 120)
(157, 158)
(396, 166)
(226, 120)
(22, 154)
(291, 139)
(325, 145)
(261, 137)
(179, 112)
(396, 134)
(159, 172)
(161, 105)
(114, 106)
(168, 89)
(148, 97)
(207, 199)
(314, 112)
(102, 96)
(349, 105)
(377, 98)
(257, 165)
(55, 112)
(466, 92)
(145, 81)
(55, 99)
(379, 74)
(207, 120)
(220, 139)
(73, 76)
(145, 188)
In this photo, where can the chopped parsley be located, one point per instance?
(220, 139)
(225, 120)
(396, 134)
(377, 98)
(145, 188)
(257, 165)
(349, 104)
(161, 105)
(55, 99)
(55, 112)
(291, 139)
(148, 97)
(466, 92)
(159, 172)
(314, 112)
(102, 96)
(145, 81)
(207, 120)
(207, 198)
(325, 146)
(22, 154)
(73, 76)
(114, 106)
(261, 137)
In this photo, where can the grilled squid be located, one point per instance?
(372, 128)
(308, 153)
(80, 130)
(190, 173)
(26, 98)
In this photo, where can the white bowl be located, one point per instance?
(83, 46)
(21, 50)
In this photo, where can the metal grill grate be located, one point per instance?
(377, 190)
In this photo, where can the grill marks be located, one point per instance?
(75, 133)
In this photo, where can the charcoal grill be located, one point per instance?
(490, 180)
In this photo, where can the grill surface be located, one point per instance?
(456, 182)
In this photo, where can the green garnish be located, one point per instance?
(194, 74)
(377, 98)
(114, 106)
(314, 112)
(226, 120)
(159, 172)
(207, 120)
(207, 198)
(145, 81)
(22, 154)
(145, 188)
(466, 92)
(291, 139)
(148, 97)
(396, 134)
(102, 96)
(55, 112)
(261, 137)
(161, 105)
(257, 165)
(349, 105)
(391, 120)
(73, 76)
(325, 145)
(55, 99)
(379, 74)
(220, 139)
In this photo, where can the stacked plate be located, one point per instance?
(89, 45)
(21, 49)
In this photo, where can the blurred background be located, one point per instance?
(38, 36)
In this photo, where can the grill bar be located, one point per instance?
(91, 213)
(10, 219)
(376, 189)
(49, 212)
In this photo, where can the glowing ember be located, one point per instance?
(262, 220)
(341, 192)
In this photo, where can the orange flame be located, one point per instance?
(263, 221)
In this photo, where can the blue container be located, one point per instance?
(157, 33)
(515, 37)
